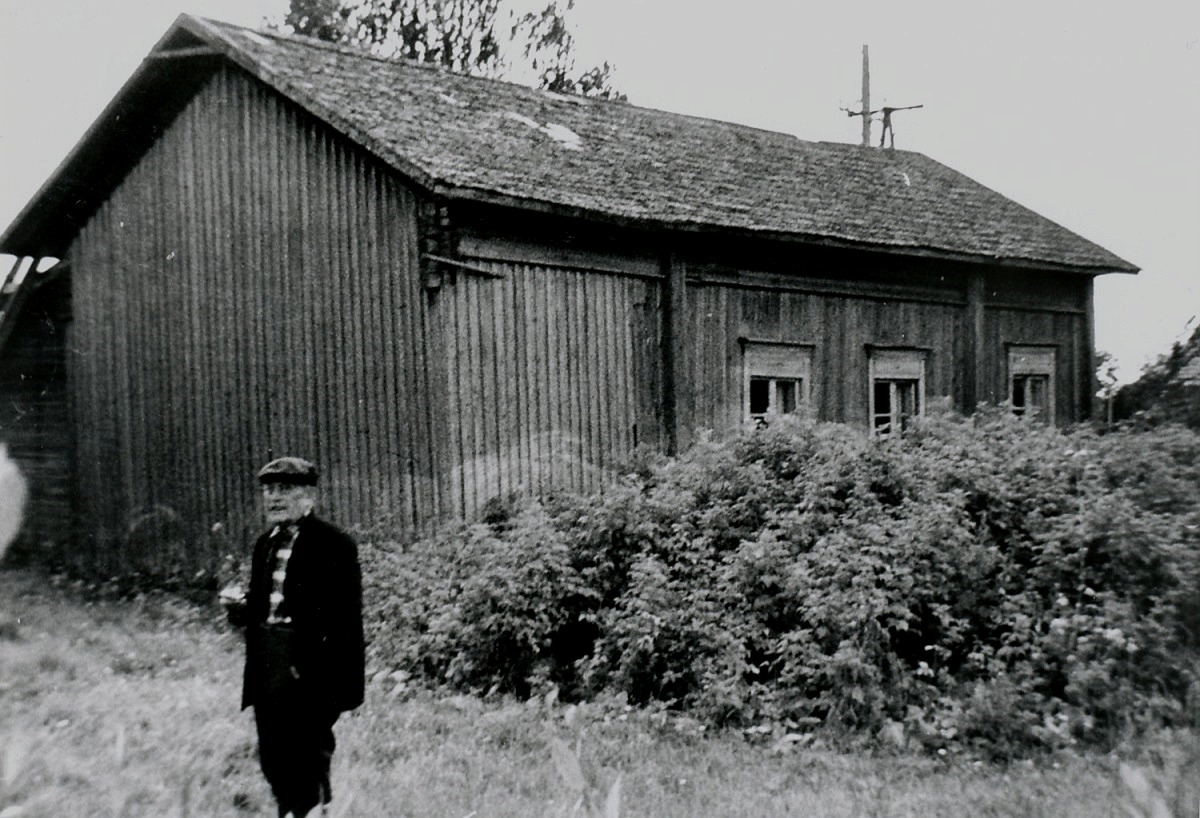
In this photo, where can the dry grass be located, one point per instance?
(130, 709)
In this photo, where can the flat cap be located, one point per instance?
(293, 471)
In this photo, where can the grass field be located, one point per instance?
(131, 709)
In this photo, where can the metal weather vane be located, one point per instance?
(866, 113)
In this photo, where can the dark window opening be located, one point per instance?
(896, 404)
(785, 397)
(780, 396)
(1030, 394)
(883, 405)
(760, 396)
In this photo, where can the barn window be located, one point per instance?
(897, 393)
(777, 379)
(1031, 381)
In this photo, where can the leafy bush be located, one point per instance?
(985, 583)
(479, 605)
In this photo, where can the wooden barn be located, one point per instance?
(445, 289)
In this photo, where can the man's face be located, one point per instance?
(283, 503)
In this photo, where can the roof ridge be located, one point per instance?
(363, 53)
(360, 52)
(314, 42)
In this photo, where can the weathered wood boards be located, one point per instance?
(247, 290)
(257, 285)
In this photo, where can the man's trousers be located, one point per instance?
(295, 732)
(295, 746)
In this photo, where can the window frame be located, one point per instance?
(1033, 360)
(895, 366)
(776, 362)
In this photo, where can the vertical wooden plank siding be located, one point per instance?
(576, 375)
(1044, 310)
(707, 361)
(838, 329)
(973, 333)
(965, 341)
(249, 288)
(677, 389)
(1089, 402)
(646, 371)
(544, 376)
(1064, 332)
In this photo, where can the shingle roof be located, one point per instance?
(471, 137)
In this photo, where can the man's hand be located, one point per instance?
(233, 600)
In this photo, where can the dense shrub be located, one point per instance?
(982, 583)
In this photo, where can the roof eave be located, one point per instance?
(490, 197)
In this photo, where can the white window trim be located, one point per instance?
(1032, 359)
(776, 360)
(895, 364)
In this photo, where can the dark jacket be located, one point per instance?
(323, 596)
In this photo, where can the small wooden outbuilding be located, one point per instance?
(444, 289)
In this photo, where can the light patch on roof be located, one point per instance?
(561, 134)
(451, 100)
(257, 38)
(564, 136)
(523, 119)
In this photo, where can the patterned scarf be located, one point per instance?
(281, 538)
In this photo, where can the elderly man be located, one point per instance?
(304, 637)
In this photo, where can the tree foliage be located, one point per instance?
(462, 35)
(1168, 390)
(550, 50)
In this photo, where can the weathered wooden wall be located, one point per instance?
(1041, 310)
(921, 305)
(836, 303)
(552, 375)
(838, 318)
(250, 289)
(35, 417)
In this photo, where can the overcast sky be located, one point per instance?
(1088, 113)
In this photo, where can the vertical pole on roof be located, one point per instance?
(866, 100)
